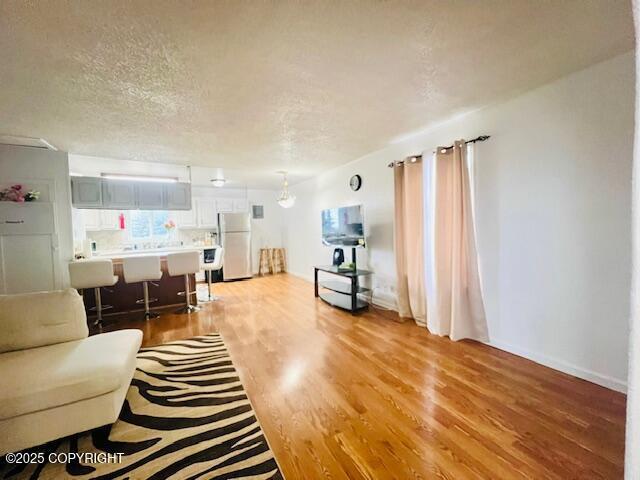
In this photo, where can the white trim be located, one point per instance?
(308, 278)
(378, 302)
(562, 366)
(555, 363)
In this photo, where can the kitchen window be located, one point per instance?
(148, 225)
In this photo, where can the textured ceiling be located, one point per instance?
(273, 85)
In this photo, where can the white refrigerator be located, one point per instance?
(235, 238)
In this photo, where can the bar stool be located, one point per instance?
(266, 261)
(143, 269)
(93, 274)
(184, 263)
(279, 260)
(210, 268)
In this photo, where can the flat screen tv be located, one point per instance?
(343, 227)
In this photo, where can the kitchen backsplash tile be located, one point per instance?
(114, 239)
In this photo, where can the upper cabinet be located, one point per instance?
(240, 205)
(109, 220)
(207, 213)
(150, 196)
(91, 219)
(178, 196)
(224, 205)
(119, 194)
(186, 218)
(97, 192)
(86, 192)
(94, 219)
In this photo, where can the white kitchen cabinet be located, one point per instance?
(91, 219)
(109, 219)
(118, 194)
(95, 219)
(224, 205)
(185, 218)
(240, 205)
(178, 196)
(86, 192)
(207, 213)
(150, 196)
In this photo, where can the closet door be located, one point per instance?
(36, 275)
(29, 254)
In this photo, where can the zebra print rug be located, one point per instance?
(186, 416)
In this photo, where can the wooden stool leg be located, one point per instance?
(271, 264)
(283, 260)
(276, 260)
(265, 263)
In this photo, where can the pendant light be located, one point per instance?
(286, 199)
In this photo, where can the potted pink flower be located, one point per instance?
(169, 225)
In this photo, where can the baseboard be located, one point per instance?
(557, 364)
(376, 301)
(307, 277)
(562, 366)
(386, 304)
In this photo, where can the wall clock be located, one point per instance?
(355, 183)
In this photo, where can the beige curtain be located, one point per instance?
(454, 296)
(409, 240)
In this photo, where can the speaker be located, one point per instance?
(338, 257)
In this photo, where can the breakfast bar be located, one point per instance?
(125, 297)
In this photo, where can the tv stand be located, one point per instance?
(342, 294)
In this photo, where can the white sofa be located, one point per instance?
(54, 379)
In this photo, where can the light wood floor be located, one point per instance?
(368, 397)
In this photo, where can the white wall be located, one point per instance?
(30, 165)
(331, 189)
(553, 218)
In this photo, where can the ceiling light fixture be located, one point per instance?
(139, 178)
(218, 182)
(286, 199)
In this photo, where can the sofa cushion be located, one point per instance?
(47, 377)
(31, 320)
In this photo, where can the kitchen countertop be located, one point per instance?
(162, 251)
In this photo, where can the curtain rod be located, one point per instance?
(414, 158)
